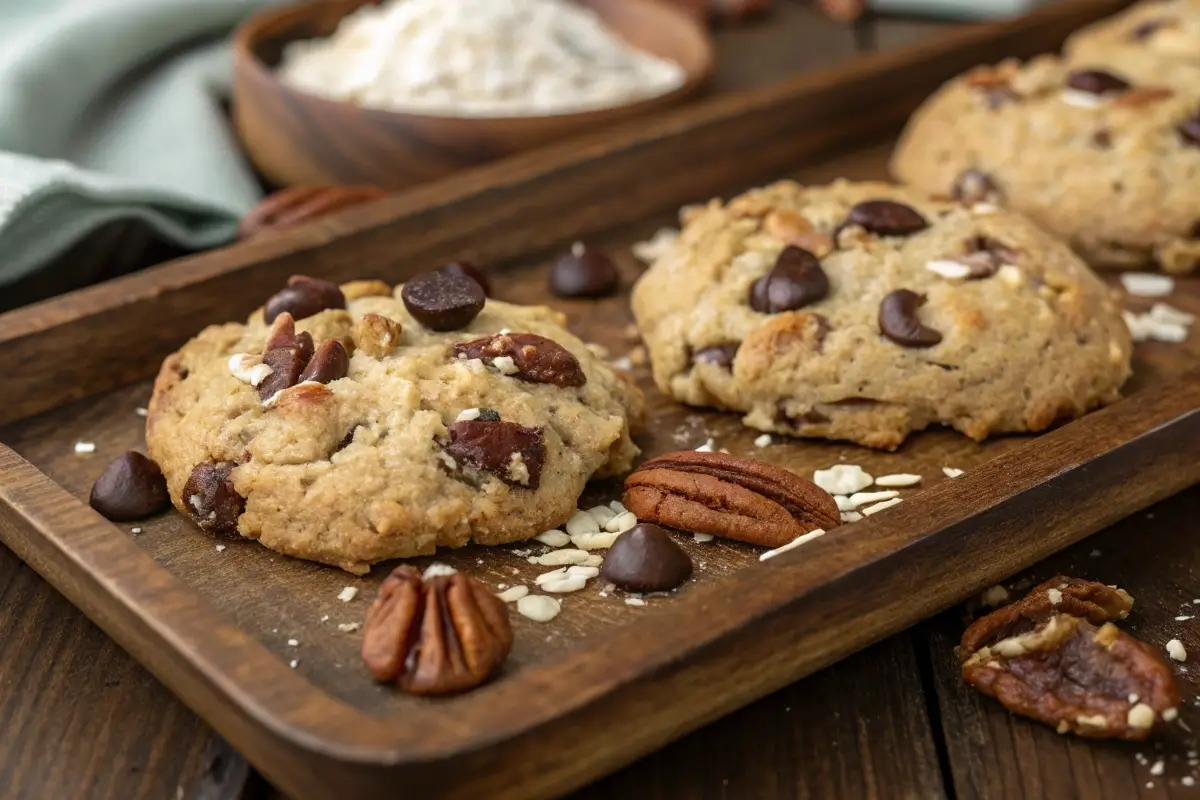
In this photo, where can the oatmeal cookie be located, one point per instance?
(1102, 150)
(866, 311)
(1162, 31)
(350, 432)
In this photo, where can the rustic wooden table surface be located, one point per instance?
(80, 719)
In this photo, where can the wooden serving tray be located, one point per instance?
(605, 681)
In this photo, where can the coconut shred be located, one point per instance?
(486, 58)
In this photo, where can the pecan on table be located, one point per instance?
(289, 207)
(1056, 658)
(436, 635)
(723, 495)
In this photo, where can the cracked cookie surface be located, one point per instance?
(415, 446)
(1101, 148)
(1005, 330)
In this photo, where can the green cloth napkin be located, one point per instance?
(111, 110)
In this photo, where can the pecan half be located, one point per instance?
(513, 453)
(289, 207)
(440, 635)
(736, 498)
(534, 358)
(1067, 673)
(1088, 600)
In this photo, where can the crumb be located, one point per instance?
(83, 448)
(1157, 768)
(634, 601)
(141, 412)
(1176, 650)
(325, 618)
(135, 531)
(293, 642)
(295, 663)
(220, 548)
(763, 441)
(347, 594)
(347, 627)
(638, 357)
(952, 472)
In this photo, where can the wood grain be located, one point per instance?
(995, 755)
(61, 677)
(501, 212)
(295, 138)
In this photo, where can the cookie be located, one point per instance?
(1104, 152)
(1166, 31)
(354, 435)
(864, 312)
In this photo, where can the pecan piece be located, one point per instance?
(513, 453)
(1088, 600)
(302, 297)
(440, 635)
(526, 357)
(211, 499)
(736, 498)
(377, 335)
(289, 207)
(1067, 673)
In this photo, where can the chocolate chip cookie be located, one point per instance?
(1166, 31)
(1101, 149)
(866, 311)
(351, 424)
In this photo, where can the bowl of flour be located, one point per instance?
(404, 91)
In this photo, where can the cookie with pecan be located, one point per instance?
(866, 311)
(350, 430)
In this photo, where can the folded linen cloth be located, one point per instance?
(111, 110)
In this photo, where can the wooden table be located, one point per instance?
(80, 719)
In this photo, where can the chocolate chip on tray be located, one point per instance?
(886, 218)
(898, 320)
(302, 297)
(584, 272)
(211, 499)
(131, 487)
(795, 281)
(646, 559)
(443, 301)
(330, 362)
(1096, 81)
(470, 270)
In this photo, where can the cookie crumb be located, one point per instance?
(347, 594)
(83, 448)
(135, 531)
(348, 627)
(293, 642)
(658, 245)
(141, 412)
(793, 544)
(994, 596)
(763, 441)
(294, 663)
(1176, 650)
(851, 516)
(1157, 767)
(325, 618)
(220, 548)
(951, 472)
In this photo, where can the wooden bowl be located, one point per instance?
(296, 138)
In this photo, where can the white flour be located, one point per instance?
(477, 58)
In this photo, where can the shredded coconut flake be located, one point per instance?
(347, 594)
(763, 441)
(875, 509)
(702, 537)
(538, 607)
(468, 414)
(513, 594)
(1147, 284)
(83, 448)
(554, 538)
(436, 570)
(1176, 650)
(898, 480)
(951, 472)
(348, 627)
(792, 545)
(843, 479)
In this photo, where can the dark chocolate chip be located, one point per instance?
(443, 301)
(722, 355)
(211, 500)
(535, 358)
(974, 186)
(795, 281)
(303, 297)
(131, 487)
(472, 271)
(330, 362)
(1096, 81)
(491, 446)
(488, 415)
(584, 272)
(887, 218)
(898, 320)
(286, 363)
(645, 559)
(1189, 130)
(348, 439)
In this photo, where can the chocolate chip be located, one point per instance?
(348, 439)
(1102, 138)
(131, 487)
(898, 320)
(974, 186)
(1189, 130)
(443, 301)
(722, 355)
(645, 559)
(286, 363)
(330, 362)
(584, 272)
(1147, 29)
(984, 255)
(509, 451)
(488, 415)
(795, 281)
(211, 500)
(535, 359)
(886, 218)
(303, 297)
(1096, 81)
(472, 271)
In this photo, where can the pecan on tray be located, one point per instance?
(438, 635)
(1056, 657)
(723, 495)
